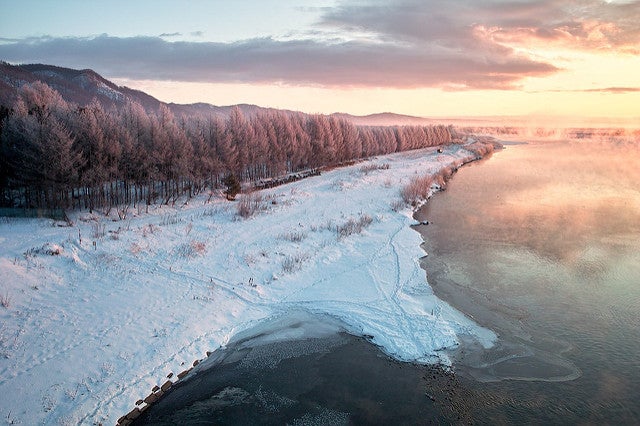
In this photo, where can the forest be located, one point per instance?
(56, 154)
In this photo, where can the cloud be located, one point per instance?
(613, 90)
(587, 24)
(454, 45)
(265, 60)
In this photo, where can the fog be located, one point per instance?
(557, 199)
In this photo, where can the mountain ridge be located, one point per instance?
(85, 85)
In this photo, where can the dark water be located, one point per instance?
(541, 243)
(332, 379)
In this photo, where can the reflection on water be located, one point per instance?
(542, 244)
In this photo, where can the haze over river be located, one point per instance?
(541, 243)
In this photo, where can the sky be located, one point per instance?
(430, 58)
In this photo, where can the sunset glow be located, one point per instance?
(433, 59)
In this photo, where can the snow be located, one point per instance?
(105, 90)
(90, 328)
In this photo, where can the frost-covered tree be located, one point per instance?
(59, 154)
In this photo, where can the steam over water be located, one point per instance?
(542, 244)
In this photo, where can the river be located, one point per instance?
(541, 243)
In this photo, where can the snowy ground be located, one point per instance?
(89, 331)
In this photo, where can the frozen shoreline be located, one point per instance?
(90, 331)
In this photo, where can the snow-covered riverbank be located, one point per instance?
(89, 331)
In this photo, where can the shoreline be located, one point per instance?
(148, 295)
(274, 327)
(513, 342)
(289, 339)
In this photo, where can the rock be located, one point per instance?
(151, 398)
(184, 373)
(133, 414)
(166, 386)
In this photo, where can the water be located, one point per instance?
(541, 243)
(288, 373)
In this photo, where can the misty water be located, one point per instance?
(540, 243)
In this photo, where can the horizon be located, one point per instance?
(540, 60)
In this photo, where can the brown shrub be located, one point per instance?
(250, 204)
(293, 263)
(353, 226)
(418, 189)
(5, 300)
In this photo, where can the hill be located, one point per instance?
(82, 86)
(385, 119)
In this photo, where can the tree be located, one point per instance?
(55, 153)
(40, 151)
(233, 186)
(240, 135)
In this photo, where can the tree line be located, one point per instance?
(56, 154)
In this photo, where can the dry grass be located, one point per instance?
(418, 189)
(149, 229)
(215, 211)
(251, 204)
(293, 263)
(170, 219)
(198, 247)
(192, 249)
(98, 230)
(5, 300)
(373, 167)
(135, 248)
(293, 236)
(397, 205)
(353, 226)
(442, 177)
(480, 149)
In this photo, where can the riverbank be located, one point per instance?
(103, 311)
(541, 244)
(304, 369)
